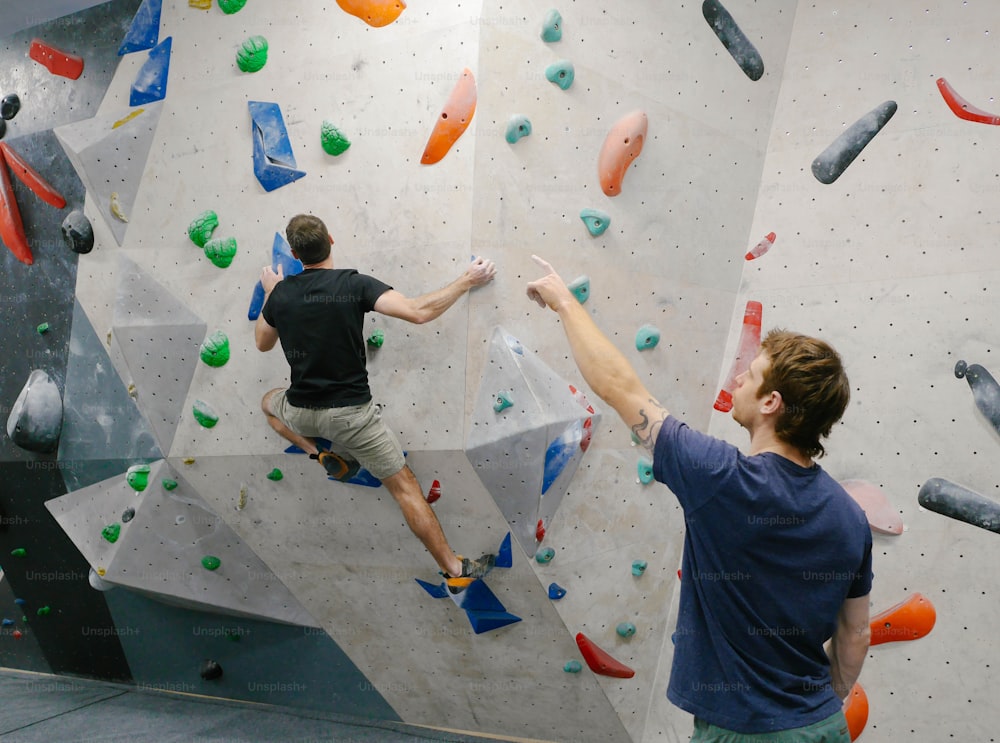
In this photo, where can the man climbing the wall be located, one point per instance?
(318, 316)
(777, 556)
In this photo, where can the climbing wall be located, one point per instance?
(821, 123)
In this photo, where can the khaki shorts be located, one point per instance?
(831, 730)
(355, 430)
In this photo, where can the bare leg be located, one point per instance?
(422, 520)
(306, 444)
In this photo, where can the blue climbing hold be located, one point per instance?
(145, 29)
(505, 557)
(436, 591)
(561, 73)
(580, 288)
(596, 220)
(273, 161)
(552, 26)
(517, 127)
(645, 468)
(281, 257)
(556, 591)
(646, 337)
(151, 83)
(560, 452)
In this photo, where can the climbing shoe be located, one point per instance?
(471, 570)
(337, 466)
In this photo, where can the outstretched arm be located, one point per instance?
(606, 370)
(849, 644)
(427, 307)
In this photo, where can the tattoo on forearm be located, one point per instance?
(647, 430)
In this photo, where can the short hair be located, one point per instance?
(814, 388)
(309, 238)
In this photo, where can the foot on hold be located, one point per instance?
(338, 467)
(471, 570)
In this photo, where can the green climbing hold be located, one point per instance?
(377, 338)
(638, 567)
(232, 6)
(332, 139)
(580, 288)
(204, 414)
(597, 221)
(552, 26)
(43, 328)
(19, 552)
(646, 337)
(275, 475)
(210, 562)
(625, 629)
(561, 73)
(215, 349)
(138, 477)
(544, 556)
(503, 401)
(252, 54)
(112, 532)
(645, 468)
(517, 127)
(572, 666)
(169, 484)
(43, 611)
(200, 230)
(221, 251)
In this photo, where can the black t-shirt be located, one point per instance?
(319, 315)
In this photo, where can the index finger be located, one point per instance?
(543, 263)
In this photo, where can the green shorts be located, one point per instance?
(831, 730)
(356, 430)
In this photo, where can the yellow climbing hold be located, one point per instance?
(128, 118)
(116, 208)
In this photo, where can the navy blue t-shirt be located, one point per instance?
(771, 551)
(319, 315)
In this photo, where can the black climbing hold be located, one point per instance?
(985, 392)
(960, 368)
(3, 128)
(35, 420)
(211, 670)
(128, 515)
(960, 503)
(833, 161)
(733, 38)
(9, 106)
(78, 232)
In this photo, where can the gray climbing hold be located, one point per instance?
(561, 73)
(78, 232)
(732, 37)
(646, 337)
(35, 420)
(596, 220)
(552, 26)
(580, 288)
(518, 126)
(833, 161)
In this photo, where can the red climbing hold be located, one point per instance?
(540, 531)
(600, 661)
(31, 178)
(748, 348)
(588, 434)
(435, 492)
(962, 108)
(907, 620)
(11, 226)
(55, 60)
(762, 247)
(856, 710)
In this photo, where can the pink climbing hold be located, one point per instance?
(600, 661)
(746, 352)
(882, 517)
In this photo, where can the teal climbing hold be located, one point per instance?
(332, 139)
(210, 562)
(204, 414)
(517, 127)
(625, 629)
(137, 477)
(572, 666)
(596, 220)
(275, 475)
(638, 567)
(201, 228)
(646, 337)
(552, 26)
(561, 73)
(112, 532)
(645, 468)
(545, 555)
(502, 401)
(580, 288)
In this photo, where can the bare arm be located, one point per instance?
(849, 645)
(265, 335)
(432, 305)
(606, 370)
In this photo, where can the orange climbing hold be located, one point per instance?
(962, 108)
(11, 226)
(882, 517)
(454, 119)
(55, 60)
(622, 145)
(31, 178)
(856, 710)
(600, 661)
(435, 492)
(375, 13)
(907, 620)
